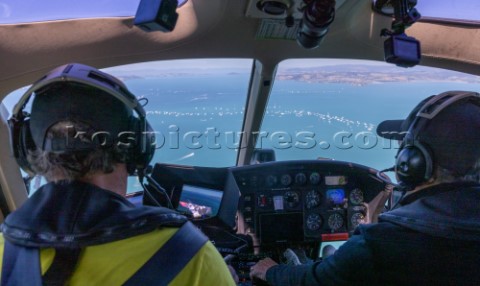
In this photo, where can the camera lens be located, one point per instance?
(308, 41)
(318, 15)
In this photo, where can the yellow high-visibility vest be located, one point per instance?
(115, 262)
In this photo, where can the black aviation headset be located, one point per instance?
(139, 155)
(414, 161)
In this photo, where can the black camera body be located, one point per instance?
(402, 50)
(317, 17)
(156, 15)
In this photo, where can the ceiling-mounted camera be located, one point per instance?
(156, 15)
(305, 21)
(317, 17)
(399, 48)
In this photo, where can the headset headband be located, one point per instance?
(22, 141)
(435, 105)
(85, 75)
(415, 160)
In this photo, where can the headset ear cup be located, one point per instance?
(146, 146)
(22, 142)
(428, 161)
(140, 155)
(413, 165)
(133, 151)
(150, 144)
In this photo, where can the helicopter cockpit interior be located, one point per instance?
(264, 111)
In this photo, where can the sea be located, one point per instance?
(199, 121)
(205, 118)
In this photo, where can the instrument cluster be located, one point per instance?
(302, 201)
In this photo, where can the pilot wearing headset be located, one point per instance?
(85, 134)
(432, 237)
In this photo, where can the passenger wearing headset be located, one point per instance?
(432, 237)
(85, 134)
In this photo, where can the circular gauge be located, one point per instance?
(286, 179)
(300, 178)
(291, 199)
(312, 199)
(314, 178)
(271, 180)
(335, 221)
(314, 221)
(264, 200)
(356, 196)
(356, 219)
(254, 181)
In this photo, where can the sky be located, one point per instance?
(17, 11)
(456, 9)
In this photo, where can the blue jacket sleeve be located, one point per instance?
(351, 264)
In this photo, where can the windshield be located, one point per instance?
(26, 11)
(464, 11)
(330, 108)
(196, 107)
(14, 11)
(317, 109)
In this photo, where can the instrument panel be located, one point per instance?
(298, 201)
(278, 202)
(260, 210)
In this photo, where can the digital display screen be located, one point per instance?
(336, 196)
(281, 227)
(335, 180)
(406, 48)
(200, 202)
(328, 248)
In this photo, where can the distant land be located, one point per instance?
(128, 77)
(363, 75)
(354, 74)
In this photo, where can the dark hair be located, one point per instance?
(443, 175)
(71, 165)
